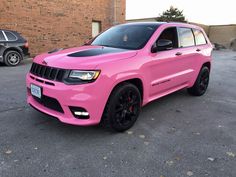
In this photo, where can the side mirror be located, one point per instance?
(161, 45)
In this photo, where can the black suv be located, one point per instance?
(13, 47)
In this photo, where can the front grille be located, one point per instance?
(50, 103)
(47, 72)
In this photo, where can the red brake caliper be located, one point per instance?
(131, 107)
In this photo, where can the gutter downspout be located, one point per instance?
(115, 12)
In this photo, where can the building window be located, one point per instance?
(96, 28)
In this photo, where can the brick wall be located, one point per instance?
(58, 23)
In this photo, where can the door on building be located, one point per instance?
(96, 28)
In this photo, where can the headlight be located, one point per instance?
(81, 77)
(84, 75)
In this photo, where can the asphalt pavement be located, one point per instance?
(176, 136)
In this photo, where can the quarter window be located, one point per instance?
(2, 38)
(199, 37)
(186, 38)
(10, 36)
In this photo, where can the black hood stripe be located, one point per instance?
(95, 52)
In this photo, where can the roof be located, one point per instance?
(145, 23)
(8, 30)
(135, 19)
(161, 23)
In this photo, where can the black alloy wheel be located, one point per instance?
(123, 107)
(201, 84)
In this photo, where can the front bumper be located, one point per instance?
(86, 96)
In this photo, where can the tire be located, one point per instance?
(12, 58)
(201, 84)
(122, 108)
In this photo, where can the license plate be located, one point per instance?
(36, 91)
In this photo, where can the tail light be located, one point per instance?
(26, 45)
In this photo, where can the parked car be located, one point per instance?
(118, 72)
(13, 47)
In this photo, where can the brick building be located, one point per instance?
(59, 23)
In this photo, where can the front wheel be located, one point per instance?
(123, 107)
(201, 84)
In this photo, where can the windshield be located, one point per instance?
(126, 36)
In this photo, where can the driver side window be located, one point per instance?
(167, 40)
(170, 34)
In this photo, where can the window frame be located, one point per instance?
(179, 37)
(4, 35)
(195, 37)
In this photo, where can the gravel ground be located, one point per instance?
(175, 136)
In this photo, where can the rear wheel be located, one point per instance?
(122, 108)
(12, 58)
(201, 84)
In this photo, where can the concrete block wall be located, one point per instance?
(222, 34)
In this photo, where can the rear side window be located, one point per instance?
(199, 37)
(10, 36)
(2, 38)
(186, 38)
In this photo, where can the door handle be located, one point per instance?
(178, 54)
(198, 50)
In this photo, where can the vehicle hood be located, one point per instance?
(85, 57)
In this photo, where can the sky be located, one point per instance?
(209, 12)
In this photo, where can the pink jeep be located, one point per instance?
(110, 78)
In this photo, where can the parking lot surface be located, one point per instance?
(176, 136)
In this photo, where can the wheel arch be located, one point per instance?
(136, 81)
(105, 119)
(207, 64)
(13, 49)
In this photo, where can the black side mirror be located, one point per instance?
(161, 45)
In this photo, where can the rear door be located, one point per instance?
(201, 42)
(202, 51)
(189, 53)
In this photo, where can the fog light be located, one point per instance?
(79, 112)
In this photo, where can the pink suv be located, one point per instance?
(110, 78)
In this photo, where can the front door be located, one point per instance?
(171, 69)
